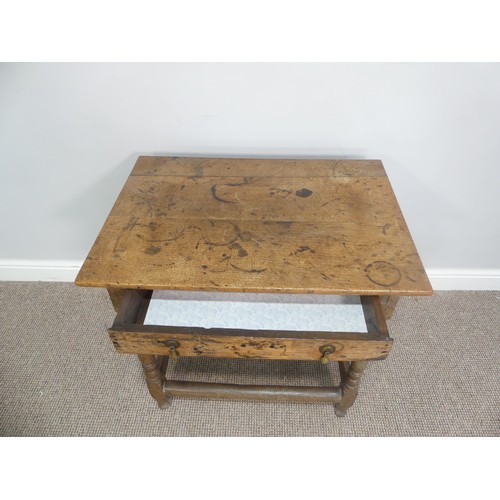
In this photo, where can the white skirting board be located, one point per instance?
(39, 270)
(66, 270)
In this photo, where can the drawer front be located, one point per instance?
(241, 346)
(130, 335)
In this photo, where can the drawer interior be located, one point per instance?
(256, 311)
(271, 326)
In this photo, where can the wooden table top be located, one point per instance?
(255, 225)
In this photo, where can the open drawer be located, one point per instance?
(269, 326)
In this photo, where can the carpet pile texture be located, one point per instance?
(60, 375)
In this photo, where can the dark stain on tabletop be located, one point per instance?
(254, 270)
(152, 250)
(241, 251)
(287, 224)
(304, 249)
(383, 273)
(303, 193)
(213, 190)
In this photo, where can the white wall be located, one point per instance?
(70, 133)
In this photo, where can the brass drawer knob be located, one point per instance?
(173, 345)
(326, 350)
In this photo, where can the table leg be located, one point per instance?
(116, 295)
(154, 379)
(388, 303)
(163, 363)
(349, 386)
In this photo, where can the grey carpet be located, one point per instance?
(59, 375)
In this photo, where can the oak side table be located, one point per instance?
(219, 227)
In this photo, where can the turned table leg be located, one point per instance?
(154, 379)
(351, 378)
(154, 368)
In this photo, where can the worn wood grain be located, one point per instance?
(298, 226)
(362, 200)
(255, 167)
(280, 346)
(244, 255)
